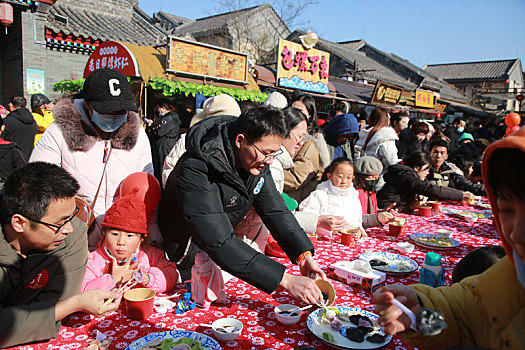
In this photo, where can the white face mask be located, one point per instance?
(460, 130)
(520, 268)
(109, 122)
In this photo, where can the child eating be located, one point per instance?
(337, 196)
(123, 249)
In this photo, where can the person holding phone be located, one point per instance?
(367, 172)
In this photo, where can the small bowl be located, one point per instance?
(405, 247)
(327, 288)
(444, 233)
(471, 218)
(287, 319)
(226, 322)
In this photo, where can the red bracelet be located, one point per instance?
(303, 256)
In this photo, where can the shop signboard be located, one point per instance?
(301, 68)
(424, 99)
(203, 60)
(386, 93)
(440, 107)
(112, 54)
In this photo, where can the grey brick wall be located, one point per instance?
(57, 64)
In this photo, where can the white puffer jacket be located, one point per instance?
(72, 143)
(330, 200)
(382, 145)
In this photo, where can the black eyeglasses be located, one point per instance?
(55, 226)
(266, 156)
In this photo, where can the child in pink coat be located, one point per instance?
(123, 249)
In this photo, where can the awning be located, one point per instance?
(353, 91)
(467, 109)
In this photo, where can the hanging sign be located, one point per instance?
(424, 99)
(301, 68)
(386, 93)
(203, 60)
(111, 54)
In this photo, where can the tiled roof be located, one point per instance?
(104, 20)
(353, 44)
(471, 70)
(168, 22)
(216, 23)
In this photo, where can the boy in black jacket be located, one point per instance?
(11, 156)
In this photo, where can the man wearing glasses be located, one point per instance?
(43, 252)
(222, 174)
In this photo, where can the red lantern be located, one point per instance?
(6, 15)
(512, 119)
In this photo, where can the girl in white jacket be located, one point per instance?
(337, 196)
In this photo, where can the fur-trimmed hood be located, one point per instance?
(80, 134)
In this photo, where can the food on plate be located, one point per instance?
(328, 315)
(377, 262)
(183, 343)
(336, 324)
(391, 265)
(329, 337)
(376, 338)
(438, 241)
(355, 334)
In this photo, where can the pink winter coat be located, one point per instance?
(163, 274)
(72, 143)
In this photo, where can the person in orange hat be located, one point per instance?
(123, 249)
(485, 310)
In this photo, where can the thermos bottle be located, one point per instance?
(431, 272)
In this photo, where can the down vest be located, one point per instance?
(206, 196)
(73, 143)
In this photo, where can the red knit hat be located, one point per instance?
(127, 214)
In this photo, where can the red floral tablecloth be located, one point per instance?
(255, 308)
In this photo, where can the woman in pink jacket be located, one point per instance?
(123, 249)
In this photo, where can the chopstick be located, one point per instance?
(122, 289)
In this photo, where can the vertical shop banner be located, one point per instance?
(301, 68)
(35, 81)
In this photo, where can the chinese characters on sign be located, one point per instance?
(35, 82)
(206, 60)
(386, 93)
(302, 69)
(424, 99)
(114, 55)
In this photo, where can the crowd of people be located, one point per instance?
(242, 181)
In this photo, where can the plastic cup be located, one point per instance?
(425, 211)
(396, 229)
(139, 303)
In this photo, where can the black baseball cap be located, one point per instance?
(108, 91)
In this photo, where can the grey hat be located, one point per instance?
(368, 165)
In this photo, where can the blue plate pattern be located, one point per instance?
(416, 236)
(207, 342)
(461, 212)
(391, 267)
(342, 342)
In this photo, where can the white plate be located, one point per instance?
(416, 236)
(392, 260)
(342, 342)
(207, 343)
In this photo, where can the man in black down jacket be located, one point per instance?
(20, 126)
(442, 174)
(222, 174)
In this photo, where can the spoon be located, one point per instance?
(408, 312)
(225, 329)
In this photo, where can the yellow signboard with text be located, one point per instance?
(193, 58)
(424, 99)
(301, 68)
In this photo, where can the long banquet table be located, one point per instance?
(255, 308)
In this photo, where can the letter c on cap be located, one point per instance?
(112, 90)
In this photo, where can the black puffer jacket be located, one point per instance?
(206, 196)
(163, 135)
(20, 128)
(11, 158)
(446, 176)
(403, 184)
